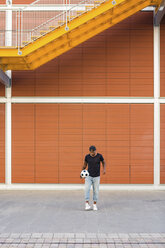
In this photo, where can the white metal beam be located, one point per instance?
(156, 105)
(159, 14)
(162, 100)
(8, 42)
(4, 79)
(82, 100)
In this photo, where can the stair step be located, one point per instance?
(34, 37)
(97, 2)
(43, 31)
(61, 22)
(52, 27)
(88, 7)
(80, 11)
(71, 17)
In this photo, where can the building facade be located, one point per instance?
(106, 92)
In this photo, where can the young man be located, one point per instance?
(92, 160)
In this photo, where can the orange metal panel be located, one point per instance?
(67, 179)
(2, 27)
(70, 143)
(23, 157)
(162, 144)
(2, 143)
(100, 90)
(46, 180)
(115, 180)
(2, 90)
(162, 58)
(141, 129)
(23, 83)
(141, 81)
(21, 1)
(46, 143)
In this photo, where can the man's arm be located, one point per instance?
(85, 165)
(104, 167)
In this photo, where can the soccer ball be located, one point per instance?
(84, 173)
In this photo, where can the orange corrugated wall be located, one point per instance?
(51, 140)
(162, 143)
(162, 106)
(117, 62)
(2, 143)
(162, 58)
(2, 90)
(2, 27)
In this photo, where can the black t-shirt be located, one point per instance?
(94, 164)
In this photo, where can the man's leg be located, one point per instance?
(96, 182)
(88, 183)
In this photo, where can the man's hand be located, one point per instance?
(104, 172)
(83, 168)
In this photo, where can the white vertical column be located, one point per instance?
(156, 105)
(8, 42)
(8, 33)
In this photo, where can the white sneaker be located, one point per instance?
(87, 207)
(94, 207)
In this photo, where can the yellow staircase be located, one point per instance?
(58, 40)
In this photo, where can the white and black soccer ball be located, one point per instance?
(84, 173)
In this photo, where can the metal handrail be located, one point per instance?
(57, 16)
(64, 14)
(31, 4)
(20, 33)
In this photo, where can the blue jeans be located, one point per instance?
(94, 181)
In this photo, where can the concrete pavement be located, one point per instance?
(63, 211)
(125, 219)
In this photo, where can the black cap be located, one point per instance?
(92, 148)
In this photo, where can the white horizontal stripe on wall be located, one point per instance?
(161, 100)
(78, 100)
(81, 100)
(3, 100)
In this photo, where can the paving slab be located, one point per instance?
(152, 240)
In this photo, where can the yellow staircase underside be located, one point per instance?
(82, 28)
